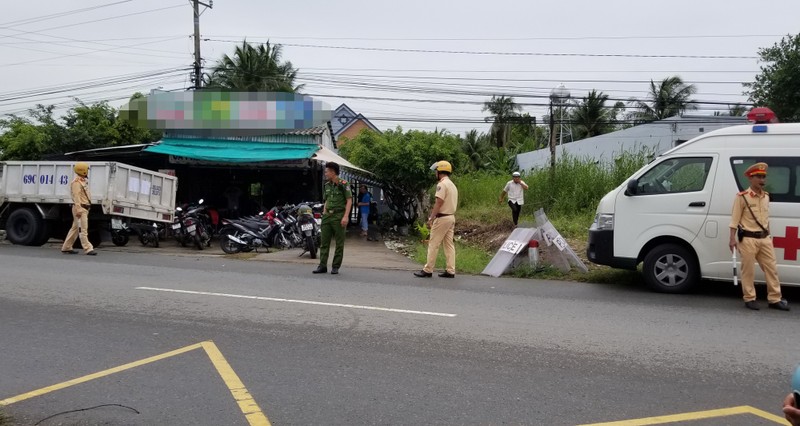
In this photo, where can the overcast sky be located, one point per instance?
(95, 46)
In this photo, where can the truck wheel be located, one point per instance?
(44, 233)
(670, 268)
(24, 227)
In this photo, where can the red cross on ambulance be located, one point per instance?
(790, 243)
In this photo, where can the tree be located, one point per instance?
(22, 139)
(668, 98)
(591, 117)
(89, 127)
(402, 161)
(778, 84)
(475, 147)
(254, 68)
(737, 110)
(503, 110)
(82, 127)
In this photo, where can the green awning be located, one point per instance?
(229, 151)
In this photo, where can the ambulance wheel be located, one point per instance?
(24, 227)
(670, 268)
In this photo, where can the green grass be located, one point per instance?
(469, 260)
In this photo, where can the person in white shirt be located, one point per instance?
(515, 190)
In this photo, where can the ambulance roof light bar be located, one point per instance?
(762, 115)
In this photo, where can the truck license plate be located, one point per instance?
(191, 228)
(306, 227)
(116, 223)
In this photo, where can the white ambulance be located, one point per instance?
(673, 215)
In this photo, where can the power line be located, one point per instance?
(418, 89)
(530, 71)
(57, 15)
(546, 38)
(469, 52)
(169, 37)
(556, 80)
(33, 93)
(69, 40)
(110, 49)
(105, 19)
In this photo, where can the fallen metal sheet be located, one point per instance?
(554, 239)
(515, 244)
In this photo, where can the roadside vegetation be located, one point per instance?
(569, 197)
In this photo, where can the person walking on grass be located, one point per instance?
(516, 198)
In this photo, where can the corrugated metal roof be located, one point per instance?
(658, 137)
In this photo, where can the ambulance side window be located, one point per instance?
(676, 175)
(782, 176)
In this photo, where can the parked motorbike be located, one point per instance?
(246, 235)
(149, 234)
(309, 228)
(192, 224)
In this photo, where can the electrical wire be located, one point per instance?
(439, 70)
(72, 40)
(544, 38)
(110, 49)
(301, 72)
(88, 84)
(27, 21)
(495, 53)
(93, 21)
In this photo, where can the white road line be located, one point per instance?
(305, 302)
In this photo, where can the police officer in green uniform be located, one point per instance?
(335, 217)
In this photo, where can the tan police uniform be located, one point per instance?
(443, 228)
(757, 243)
(81, 202)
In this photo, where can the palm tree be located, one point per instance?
(591, 117)
(475, 147)
(668, 98)
(737, 110)
(502, 109)
(254, 68)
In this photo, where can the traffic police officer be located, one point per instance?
(442, 222)
(81, 202)
(750, 219)
(338, 201)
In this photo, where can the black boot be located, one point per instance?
(321, 269)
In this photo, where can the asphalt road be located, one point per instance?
(373, 347)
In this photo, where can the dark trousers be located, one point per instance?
(515, 209)
(331, 229)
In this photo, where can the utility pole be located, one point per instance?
(198, 71)
(552, 137)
